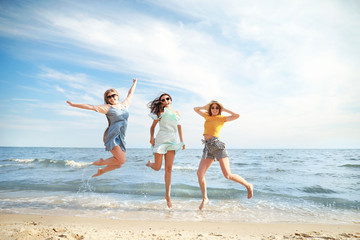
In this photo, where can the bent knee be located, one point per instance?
(157, 168)
(120, 161)
(228, 176)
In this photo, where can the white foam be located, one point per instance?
(28, 160)
(72, 163)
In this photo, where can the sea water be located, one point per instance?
(290, 185)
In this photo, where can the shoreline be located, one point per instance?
(36, 227)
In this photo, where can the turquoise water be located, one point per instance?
(290, 185)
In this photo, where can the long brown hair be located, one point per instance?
(155, 105)
(107, 102)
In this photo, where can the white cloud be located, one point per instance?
(59, 89)
(288, 67)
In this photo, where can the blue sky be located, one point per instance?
(289, 68)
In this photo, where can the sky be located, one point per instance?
(289, 68)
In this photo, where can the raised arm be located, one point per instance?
(198, 110)
(232, 117)
(127, 100)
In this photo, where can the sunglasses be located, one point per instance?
(217, 108)
(167, 99)
(111, 96)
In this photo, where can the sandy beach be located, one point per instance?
(20, 226)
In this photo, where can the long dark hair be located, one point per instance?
(155, 105)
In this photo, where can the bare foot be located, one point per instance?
(204, 202)
(99, 172)
(250, 190)
(149, 163)
(168, 201)
(99, 162)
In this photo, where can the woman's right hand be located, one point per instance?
(70, 103)
(152, 141)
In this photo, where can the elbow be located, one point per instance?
(93, 108)
(237, 116)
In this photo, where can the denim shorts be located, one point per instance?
(214, 149)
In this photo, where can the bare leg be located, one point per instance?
(158, 162)
(203, 167)
(225, 168)
(169, 161)
(109, 161)
(114, 162)
(108, 168)
(99, 162)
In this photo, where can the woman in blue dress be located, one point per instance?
(166, 141)
(114, 136)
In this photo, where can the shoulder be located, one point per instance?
(170, 111)
(104, 108)
(154, 116)
(222, 118)
(176, 112)
(125, 103)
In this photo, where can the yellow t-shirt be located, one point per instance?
(213, 124)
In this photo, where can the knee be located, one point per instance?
(228, 176)
(200, 174)
(120, 161)
(168, 170)
(157, 167)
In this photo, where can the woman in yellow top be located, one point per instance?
(214, 148)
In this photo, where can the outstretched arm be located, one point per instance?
(198, 110)
(232, 117)
(83, 106)
(127, 100)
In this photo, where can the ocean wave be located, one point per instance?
(139, 192)
(5, 165)
(120, 207)
(26, 160)
(317, 189)
(138, 189)
(75, 164)
(186, 168)
(351, 165)
(335, 203)
(52, 162)
(241, 164)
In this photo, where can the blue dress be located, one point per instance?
(116, 133)
(167, 137)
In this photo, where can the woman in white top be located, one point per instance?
(166, 142)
